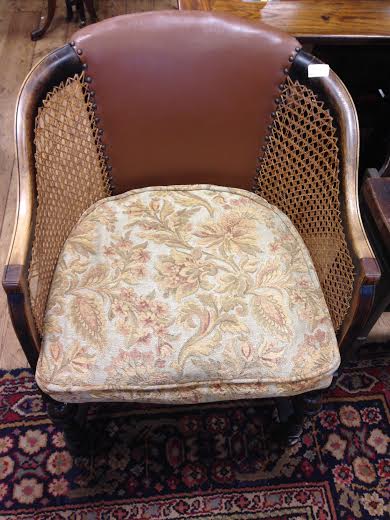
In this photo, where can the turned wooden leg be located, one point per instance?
(68, 417)
(81, 11)
(38, 33)
(69, 10)
(292, 412)
(90, 5)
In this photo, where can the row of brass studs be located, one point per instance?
(100, 132)
(286, 70)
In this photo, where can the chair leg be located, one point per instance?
(292, 412)
(81, 11)
(68, 417)
(89, 4)
(38, 33)
(69, 10)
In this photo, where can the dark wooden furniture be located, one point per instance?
(375, 199)
(311, 21)
(70, 4)
(344, 34)
(77, 57)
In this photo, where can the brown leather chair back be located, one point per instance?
(183, 97)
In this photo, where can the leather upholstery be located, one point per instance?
(184, 97)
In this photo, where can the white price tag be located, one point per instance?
(318, 70)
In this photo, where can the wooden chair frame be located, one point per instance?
(64, 63)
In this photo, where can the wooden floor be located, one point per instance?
(17, 55)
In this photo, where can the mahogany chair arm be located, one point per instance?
(333, 92)
(366, 266)
(46, 74)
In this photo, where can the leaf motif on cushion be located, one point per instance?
(198, 346)
(189, 199)
(87, 316)
(272, 275)
(233, 233)
(270, 314)
(237, 303)
(95, 275)
(80, 358)
(230, 323)
(52, 325)
(56, 350)
(271, 354)
(192, 310)
(83, 240)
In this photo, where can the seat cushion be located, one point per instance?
(185, 294)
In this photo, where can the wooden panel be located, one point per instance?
(380, 333)
(377, 198)
(310, 18)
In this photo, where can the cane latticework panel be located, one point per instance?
(299, 173)
(70, 176)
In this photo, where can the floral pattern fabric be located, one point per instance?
(185, 294)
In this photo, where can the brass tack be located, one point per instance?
(88, 79)
(263, 147)
(273, 114)
(267, 138)
(106, 157)
(97, 119)
(109, 168)
(94, 105)
(297, 49)
(291, 58)
(277, 101)
(100, 131)
(79, 52)
(92, 93)
(286, 70)
(85, 66)
(73, 43)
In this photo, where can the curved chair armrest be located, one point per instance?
(46, 74)
(333, 92)
(367, 277)
(15, 277)
(367, 269)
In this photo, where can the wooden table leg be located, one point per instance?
(38, 33)
(81, 11)
(69, 10)
(89, 4)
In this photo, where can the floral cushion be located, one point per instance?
(185, 294)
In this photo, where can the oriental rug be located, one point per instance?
(204, 462)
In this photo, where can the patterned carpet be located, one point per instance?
(207, 462)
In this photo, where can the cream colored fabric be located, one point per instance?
(185, 294)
